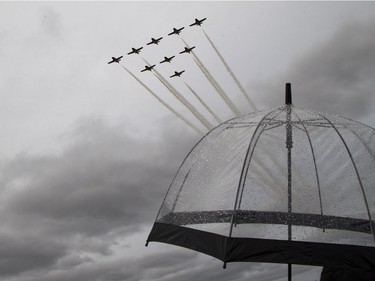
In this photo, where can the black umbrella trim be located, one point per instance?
(232, 249)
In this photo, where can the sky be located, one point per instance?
(87, 153)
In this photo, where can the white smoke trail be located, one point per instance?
(217, 87)
(189, 106)
(204, 104)
(213, 82)
(165, 104)
(230, 72)
(192, 109)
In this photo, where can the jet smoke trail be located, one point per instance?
(230, 71)
(217, 87)
(204, 104)
(192, 109)
(213, 82)
(163, 103)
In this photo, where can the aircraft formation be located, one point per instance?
(177, 73)
(176, 31)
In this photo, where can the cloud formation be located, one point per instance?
(60, 210)
(335, 77)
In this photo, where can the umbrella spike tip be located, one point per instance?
(288, 93)
(146, 244)
(225, 265)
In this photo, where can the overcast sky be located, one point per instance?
(86, 153)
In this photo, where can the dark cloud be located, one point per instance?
(105, 184)
(335, 77)
(168, 264)
(21, 252)
(105, 178)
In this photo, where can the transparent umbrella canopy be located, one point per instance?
(287, 185)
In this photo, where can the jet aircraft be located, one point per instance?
(154, 41)
(198, 22)
(115, 60)
(176, 31)
(149, 68)
(177, 74)
(135, 51)
(166, 59)
(187, 50)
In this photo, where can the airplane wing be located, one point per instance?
(135, 51)
(115, 59)
(176, 31)
(168, 59)
(177, 73)
(198, 22)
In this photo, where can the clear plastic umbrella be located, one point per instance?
(287, 185)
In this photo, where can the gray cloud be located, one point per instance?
(22, 252)
(104, 177)
(105, 184)
(335, 77)
(171, 263)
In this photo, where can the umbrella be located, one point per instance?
(286, 185)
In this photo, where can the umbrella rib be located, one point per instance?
(174, 178)
(357, 173)
(183, 162)
(364, 144)
(246, 164)
(314, 160)
(266, 152)
(296, 126)
(180, 188)
(345, 125)
(274, 126)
